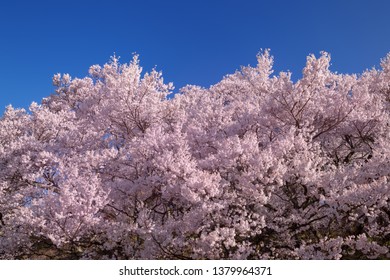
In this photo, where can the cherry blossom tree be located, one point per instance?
(254, 167)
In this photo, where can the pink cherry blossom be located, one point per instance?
(254, 167)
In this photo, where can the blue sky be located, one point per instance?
(191, 42)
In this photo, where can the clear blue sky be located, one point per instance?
(192, 42)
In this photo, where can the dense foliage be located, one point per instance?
(255, 167)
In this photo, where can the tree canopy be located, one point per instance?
(254, 167)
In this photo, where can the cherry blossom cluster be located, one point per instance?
(257, 166)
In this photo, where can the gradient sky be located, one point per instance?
(191, 42)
